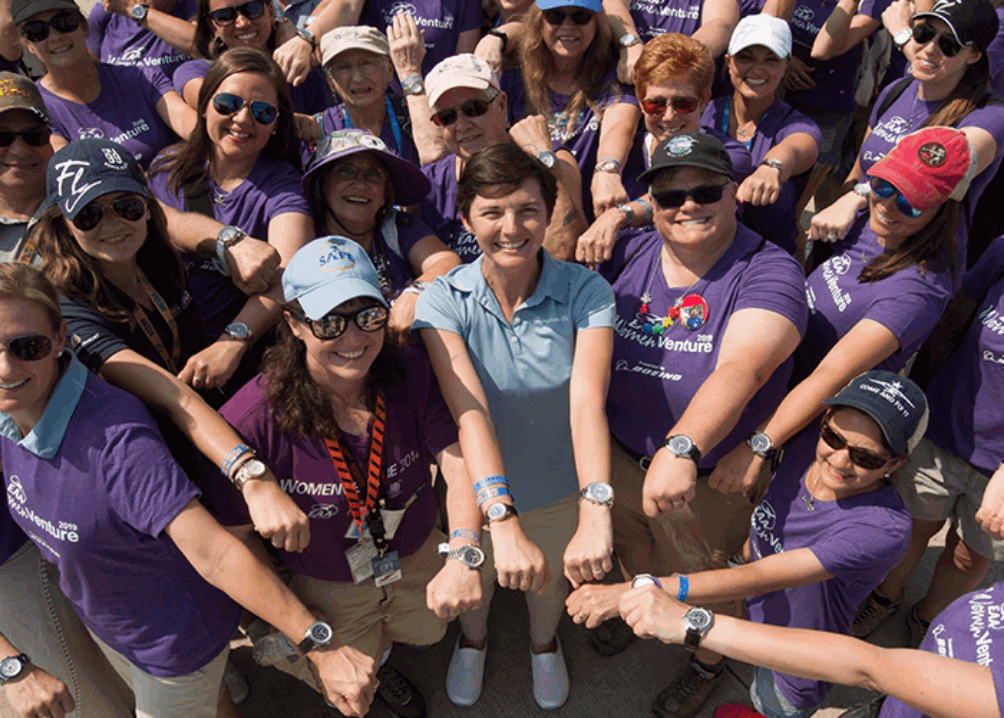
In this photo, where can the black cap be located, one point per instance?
(689, 149)
(973, 22)
(87, 169)
(21, 10)
(896, 404)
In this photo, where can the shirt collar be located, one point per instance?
(47, 435)
(552, 282)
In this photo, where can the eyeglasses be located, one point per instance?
(29, 347)
(347, 171)
(252, 10)
(675, 198)
(681, 105)
(61, 22)
(367, 66)
(859, 457)
(332, 325)
(227, 104)
(924, 32)
(884, 189)
(130, 209)
(556, 16)
(471, 108)
(32, 138)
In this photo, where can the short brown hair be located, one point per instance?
(672, 55)
(23, 281)
(499, 170)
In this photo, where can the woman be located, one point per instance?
(521, 342)
(354, 182)
(136, 109)
(98, 490)
(783, 143)
(161, 38)
(951, 75)
(335, 397)
(827, 530)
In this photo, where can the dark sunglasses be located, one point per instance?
(471, 108)
(859, 457)
(128, 208)
(29, 347)
(674, 198)
(681, 105)
(332, 325)
(227, 103)
(924, 32)
(884, 189)
(556, 16)
(32, 138)
(252, 10)
(61, 22)
(347, 172)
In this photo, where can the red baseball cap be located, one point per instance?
(929, 166)
(734, 710)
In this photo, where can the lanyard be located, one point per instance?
(395, 127)
(170, 360)
(725, 123)
(27, 253)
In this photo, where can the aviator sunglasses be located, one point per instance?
(252, 10)
(556, 16)
(128, 208)
(29, 347)
(859, 457)
(925, 32)
(675, 198)
(884, 189)
(227, 104)
(332, 325)
(61, 22)
(32, 138)
(681, 105)
(471, 108)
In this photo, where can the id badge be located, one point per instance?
(360, 558)
(355, 533)
(387, 568)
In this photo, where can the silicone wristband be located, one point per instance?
(493, 493)
(648, 208)
(484, 483)
(234, 454)
(684, 590)
(466, 533)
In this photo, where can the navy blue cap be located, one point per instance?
(328, 272)
(689, 149)
(87, 169)
(973, 22)
(896, 404)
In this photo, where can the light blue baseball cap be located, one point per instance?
(594, 5)
(328, 272)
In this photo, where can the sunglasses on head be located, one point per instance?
(252, 10)
(29, 347)
(347, 172)
(61, 22)
(227, 104)
(32, 138)
(675, 198)
(681, 105)
(130, 209)
(924, 32)
(859, 457)
(471, 108)
(884, 189)
(556, 16)
(332, 325)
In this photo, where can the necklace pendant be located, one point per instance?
(219, 200)
(646, 298)
(809, 504)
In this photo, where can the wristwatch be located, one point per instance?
(11, 667)
(308, 36)
(761, 445)
(776, 164)
(548, 158)
(609, 165)
(238, 330)
(318, 635)
(413, 85)
(627, 210)
(645, 579)
(627, 40)
(598, 493)
(227, 238)
(683, 446)
(248, 471)
(698, 622)
(862, 189)
(139, 13)
(500, 512)
(470, 556)
(901, 38)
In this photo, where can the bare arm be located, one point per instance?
(779, 8)
(797, 153)
(35, 692)
(718, 19)
(176, 114)
(843, 29)
(429, 258)
(617, 130)
(177, 32)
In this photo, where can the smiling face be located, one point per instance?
(708, 227)
(356, 201)
(890, 225)
(22, 167)
(239, 137)
(510, 229)
(347, 358)
(25, 386)
(59, 49)
(836, 472)
(931, 65)
(116, 240)
(243, 32)
(756, 72)
(359, 77)
(671, 122)
(469, 135)
(568, 41)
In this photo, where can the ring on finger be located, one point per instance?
(580, 617)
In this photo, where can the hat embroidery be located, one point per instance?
(72, 170)
(680, 145)
(333, 258)
(374, 143)
(932, 154)
(891, 391)
(113, 160)
(8, 87)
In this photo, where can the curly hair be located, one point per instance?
(207, 45)
(672, 55)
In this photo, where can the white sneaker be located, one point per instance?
(466, 675)
(550, 678)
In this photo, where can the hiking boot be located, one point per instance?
(684, 698)
(871, 613)
(236, 684)
(917, 625)
(611, 637)
(400, 695)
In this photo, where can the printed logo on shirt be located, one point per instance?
(632, 331)
(304, 488)
(945, 647)
(834, 268)
(17, 497)
(892, 130)
(323, 511)
(132, 54)
(16, 491)
(407, 8)
(993, 358)
(646, 369)
(663, 9)
(992, 320)
(402, 463)
(764, 522)
(979, 626)
(91, 133)
(802, 19)
(133, 57)
(466, 245)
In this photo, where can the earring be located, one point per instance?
(887, 476)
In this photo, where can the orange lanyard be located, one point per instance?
(349, 472)
(170, 360)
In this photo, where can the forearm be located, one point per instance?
(428, 138)
(779, 8)
(617, 130)
(262, 311)
(802, 404)
(567, 221)
(715, 36)
(619, 15)
(830, 42)
(175, 31)
(191, 232)
(716, 407)
(590, 442)
(439, 267)
(461, 508)
(335, 13)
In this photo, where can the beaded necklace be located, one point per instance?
(690, 309)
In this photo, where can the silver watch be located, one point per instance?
(238, 330)
(548, 158)
(598, 493)
(683, 446)
(248, 471)
(413, 85)
(761, 445)
(227, 238)
(319, 634)
(627, 40)
(470, 556)
(11, 667)
(698, 621)
(776, 164)
(901, 38)
(500, 512)
(139, 13)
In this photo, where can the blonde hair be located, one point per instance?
(23, 281)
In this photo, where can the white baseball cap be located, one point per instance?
(767, 30)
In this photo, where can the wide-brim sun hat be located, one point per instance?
(326, 273)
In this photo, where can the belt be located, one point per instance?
(645, 461)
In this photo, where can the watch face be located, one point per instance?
(320, 633)
(238, 329)
(643, 580)
(601, 492)
(10, 667)
(472, 556)
(253, 469)
(760, 443)
(547, 158)
(138, 12)
(698, 618)
(681, 445)
(495, 511)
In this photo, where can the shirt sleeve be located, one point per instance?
(873, 8)
(774, 281)
(437, 308)
(470, 17)
(158, 83)
(865, 546)
(97, 21)
(797, 122)
(910, 309)
(284, 193)
(92, 335)
(989, 118)
(411, 230)
(593, 303)
(987, 270)
(188, 71)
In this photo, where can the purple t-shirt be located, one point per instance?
(440, 211)
(271, 189)
(995, 52)
(968, 630)
(908, 303)
(418, 427)
(94, 487)
(118, 40)
(967, 394)
(124, 112)
(776, 222)
(857, 539)
(656, 375)
(11, 536)
(655, 17)
(335, 118)
(309, 97)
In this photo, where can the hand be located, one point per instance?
(653, 613)
(737, 472)
(596, 244)
(407, 45)
(608, 191)
(489, 49)
(347, 677)
(254, 265)
(275, 515)
(991, 512)
(402, 314)
(897, 16)
(670, 483)
(213, 366)
(532, 135)
(36, 693)
(520, 565)
(593, 603)
(762, 187)
(454, 590)
(295, 58)
(626, 62)
(589, 555)
(307, 129)
(835, 221)
(118, 7)
(798, 78)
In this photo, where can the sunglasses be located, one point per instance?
(347, 172)
(925, 32)
(32, 138)
(130, 209)
(227, 104)
(884, 189)
(859, 457)
(681, 105)
(29, 347)
(252, 10)
(471, 108)
(557, 16)
(674, 198)
(61, 22)
(331, 326)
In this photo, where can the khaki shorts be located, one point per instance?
(936, 485)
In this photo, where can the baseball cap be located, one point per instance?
(767, 30)
(896, 404)
(87, 169)
(21, 10)
(17, 92)
(689, 149)
(463, 70)
(929, 166)
(973, 22)
(594, 5)
(327, 273)
(356, 37)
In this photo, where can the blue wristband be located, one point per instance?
(681, 593)
(234, 454)
(493, 493)
(489, 481)
(466, 533)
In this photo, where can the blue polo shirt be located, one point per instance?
(525, 367)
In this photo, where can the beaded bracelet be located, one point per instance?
(493, 493)
(234, 454)
(489, 481)
(466, 533)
